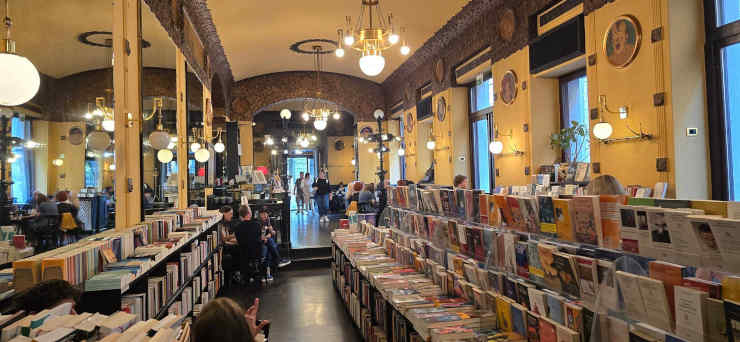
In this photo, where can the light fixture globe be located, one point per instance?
(349, 40)
(394, 38)
(378, 114)
(320, 125)
(165, 156)
(603, 130)
(57, 162)
(372, 65)
(202, 155)
(336, 116)
(496, 147)
(401, 152)
(219, 147)
(306, 116)
(274, 152)
(98, 141)
(159, 139)
(109, 125)
(339, 52)
(405, 50)
(20, 81)
(194, 147)
(304, 143)
(354, 162)
(431, 145)
(285, 114)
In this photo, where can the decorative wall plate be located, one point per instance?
(76, 135)
(339, 145)
(507, 24)
(439, 70)
(409, 122)
(622, 41)
(365, 131)
(509, 87)
(441, 108)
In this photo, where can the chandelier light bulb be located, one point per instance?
(372, 65)
(401, 152)
(87, 116)
(371, 150)
(304, 143)
(306, 116)
(313, 137)
(405, 50)
(496, 147)
(339, 52)
(202, 155)
(393, 38)
(194, 147)
(384, 137)
(431, 145)
(165, 156)
(349, 40)
(20, 81)
(320, 124)
(285, 114)
(219, 147)
(336, 116)
(284, 139)
(603, 130)
(57, 162)
(109, 125)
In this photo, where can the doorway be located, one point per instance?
(298, 163)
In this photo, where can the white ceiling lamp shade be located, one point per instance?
(372, 64)
(219, 147)
(159, 139)
(496, 147)
(378, 114)
(285, 114)
(603, 130)
(202, 155)
(165, 156)
(20, 81)
(339, 52)
(306, 116)
(109, 125)
(58, 161)
(320, 124)
(337, 116)
(195, 147)
(98, 141)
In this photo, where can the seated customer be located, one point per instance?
(228, 223)
(46, 295)
(224, 320)
(605, 185)
(47, 207)
(270, 251)
(231, 248)
(366, 199)
(68, 212)
(249, 236)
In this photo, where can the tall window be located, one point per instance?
(723, 90)
(92, 173)
(481, 116)
(20, 170)
(574, 107)
(402, 159)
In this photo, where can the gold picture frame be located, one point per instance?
(622, 41)
(509, 87)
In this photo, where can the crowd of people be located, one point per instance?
(54, 215)
(309, 193)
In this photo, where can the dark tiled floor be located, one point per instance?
(306, 232)
(302, 306)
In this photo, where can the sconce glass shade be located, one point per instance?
(194, 147)
(57, 162)
(336, 116)
(378, 114)
(339, 52)
(98, 141)
(431, 145)
(112, 167)
(372, 65)
(496, 147)
(165, 156)
(219, 147)
(20, 81)
(405, 50)
(202, 155)
(159, 140)
(285, 114)
(603, 130)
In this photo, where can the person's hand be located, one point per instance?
(251, 316)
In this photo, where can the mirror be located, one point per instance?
(159, 116)
(198, 153)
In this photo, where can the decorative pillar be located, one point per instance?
(182, 131)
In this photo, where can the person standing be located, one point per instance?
(298, 189)
(322, 189)
(307, 192)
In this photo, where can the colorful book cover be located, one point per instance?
(510, 289)
(548, 225)
(588, 220)
(566, 273)
(453, 238)
(555, 308)
(564, 219)
(464, 232)
(587, 278)
(610, 219)
(502, 204)
(447, 202)
(522, 265)
(494, 213)
(671, 275)
(475, 214)
(528, 208)
(536, 273)
(547, 259)
(629, 233)
(460, 203)
(573, 318)
(475, 243)
(517, 220)
(548, 332)
(522, 290)
(503, 313)
(518, 318)
(469, 205)
(483, 208)
(714, 289)
(711, 207)
(533, 327)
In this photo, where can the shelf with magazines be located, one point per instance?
(659, 286)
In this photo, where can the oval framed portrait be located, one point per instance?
(339, 145)
(75, 135)
(509, 87)
(409, 122)
(622, 41)
(441, 108)
(366, 131)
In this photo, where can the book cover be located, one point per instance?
(708, 246)
(587, 278)
(690, 313)
(716, 321)
(475, 206)
(732, 320)
(437, 202)
(628, 227)
(684, 248)
(573, 317)
(475, 243)
(518, 319)
(547, 261)
(494, 212)
(729, 231)
(503, 312)
(555, 310)
(711, 207)
(637, 201)
(447, 202)
(567, 335)
(564, 219)
(629, 286)
(618, 330)
(610, 219)
(533, 327)
(502, 204)
(469, 203)
(528, 207)
(671, 275)
(536, 272)
(523, 293)
(460, 203)
(588, 220)
(713, 289)
(566, 273)
(731, 288)
(660, 237)
(522, 266)
(510, 289)
(537, 301)
(548, 225)
(547, 332)
(453, 237)
(517, 220)
(607, 284)
(483, 208)
(657, 305)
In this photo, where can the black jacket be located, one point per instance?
(249, 236)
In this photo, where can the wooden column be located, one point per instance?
(182, 132)
(208, 134)
(127, 85)
(245, 140)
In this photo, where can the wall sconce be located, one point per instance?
(431, 143)
(496, 146)
(59, 161)
(603, 130)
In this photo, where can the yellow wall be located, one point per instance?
(368, 162)
(424, 157)
(71, 175)
(340, 162)
(410, 138)
(245, 140)
(452, 135)
(544, 120)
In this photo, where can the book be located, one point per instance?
(567, 335)
(453, 236)
(660, 237)
(729, 230)
(731, 288)
(548, 224)
(529, 210)
(587, 278)
(536, 272)
(533, 327)
(518, 319)
(732, 320)
(629, 285)
(716, 328)
(684, 247)
(618, 330)
(610, 219)
(517, 218)
(475, 206)
(566, 272)
(523, 287)
(483, 208)
(710, 255)
(573, 317)
(495, 215)
(461, 203)
(547, 330)
(522, 265)
(547, 260)
(690, 313)
(503, 313)
(671, 275)
(711, 207)
(537, 301)
(658, 312)
(587, 220)
(502, 204)
(713, 289)
(608, 296)
(555, 310)
(564, 219)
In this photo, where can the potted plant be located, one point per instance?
(570, 141)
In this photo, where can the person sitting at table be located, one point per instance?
(249, 237)
(47, 207)
(270, 251)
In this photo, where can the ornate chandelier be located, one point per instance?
(371, 35)
(317, 109)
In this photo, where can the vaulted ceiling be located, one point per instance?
(257, 35)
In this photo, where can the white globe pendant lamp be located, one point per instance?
(165, 156)
(159, 139)
(195, 147)
(285, 114)
(202, 155)
(603, 130)
(320, 124)
(496, 147)
(98, 140)
(372, 65)
(219, 147)
(20, 79)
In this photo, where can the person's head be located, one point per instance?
(228, 213)
(357, 187)
(369, 187)
(605, 185)
(62, 196)
(222, 320)
(46, 295)
(322, 174)
(301, 175)
(245, 213)
(264, 214)
(460, 181)
(308, 175)
(41, 198)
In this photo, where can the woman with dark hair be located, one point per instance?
(224, 320)
(68, 212)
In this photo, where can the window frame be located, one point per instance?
(563, 93)
(717, 38)
(402, 144)
(487, 114)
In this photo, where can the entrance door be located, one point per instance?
(298, 164)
